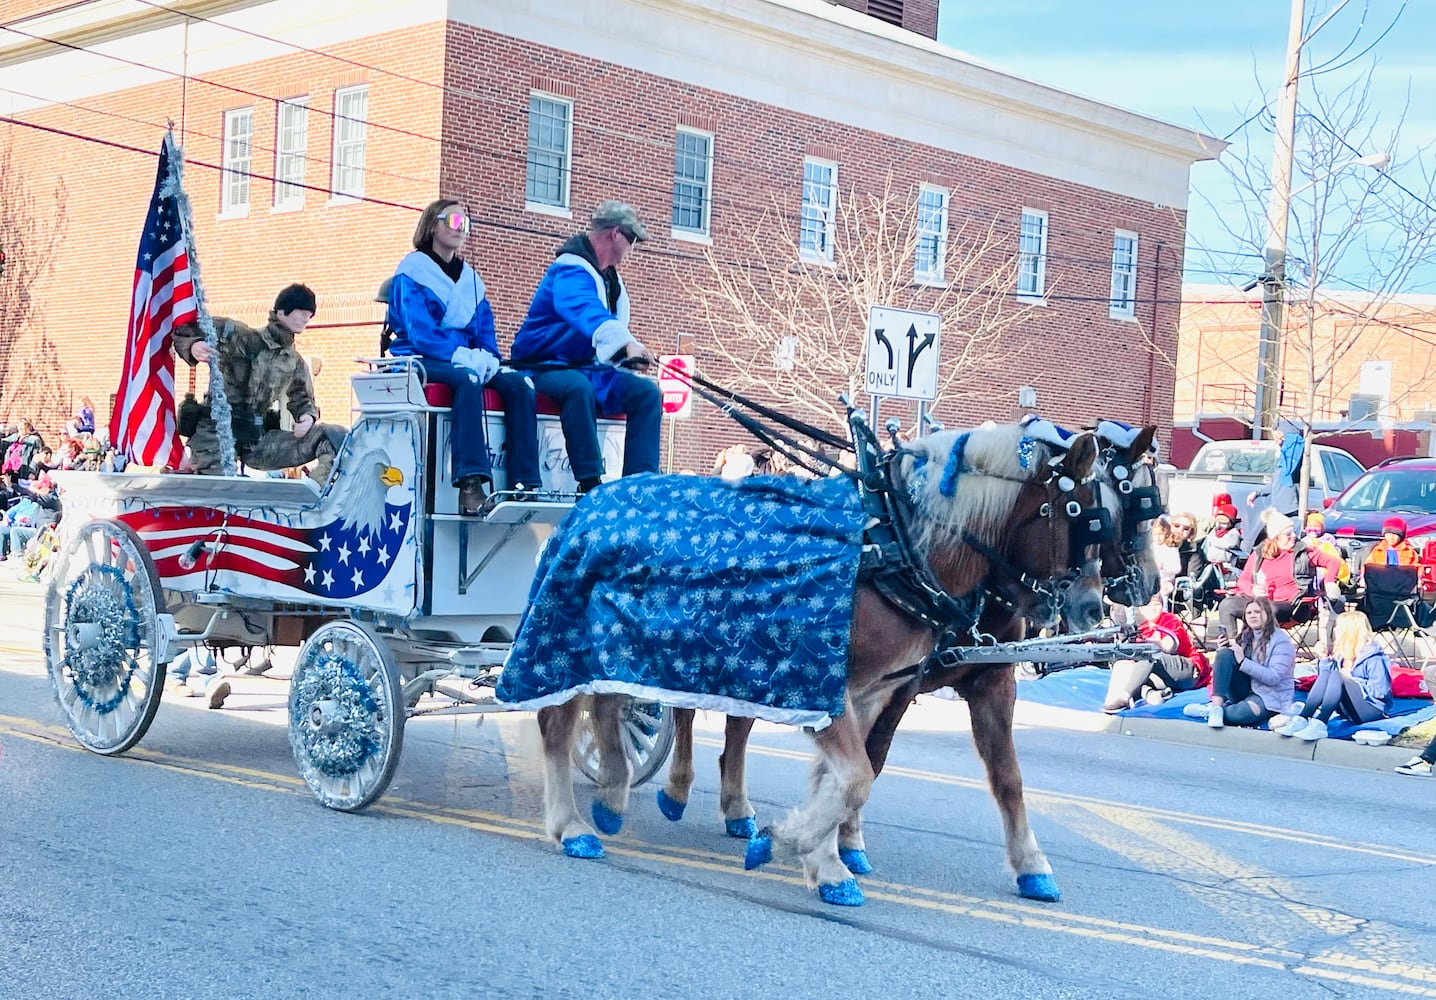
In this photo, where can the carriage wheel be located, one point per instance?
(647, 739)
(346, 715)
(101, 617)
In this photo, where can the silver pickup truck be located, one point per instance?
(1242, 467)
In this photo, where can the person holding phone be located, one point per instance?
(1179, 666)
(1252, 672)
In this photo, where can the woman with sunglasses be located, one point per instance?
(439, 312)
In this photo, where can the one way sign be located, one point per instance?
(903, 348)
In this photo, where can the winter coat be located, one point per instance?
(1279, 578)
(1372, 671)
(432, 314)
(1271, 677)
(259, 366)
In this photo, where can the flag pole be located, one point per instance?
(218, 402)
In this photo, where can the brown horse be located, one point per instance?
(1129, 573)
(998, 511)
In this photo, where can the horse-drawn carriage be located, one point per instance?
(389, 593)
(402, 607)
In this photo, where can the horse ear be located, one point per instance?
(1143, 443)
(1081, 454)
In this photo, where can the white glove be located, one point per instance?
(201, 352)
(477, 360)
(303, 425)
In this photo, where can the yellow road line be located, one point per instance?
(1235, 952)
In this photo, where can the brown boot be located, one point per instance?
(471, 495)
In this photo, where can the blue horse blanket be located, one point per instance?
(700, 593)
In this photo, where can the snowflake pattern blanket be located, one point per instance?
(700, 593)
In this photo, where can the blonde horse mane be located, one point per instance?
(986, 484)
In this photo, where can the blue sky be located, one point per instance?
(1212, 64)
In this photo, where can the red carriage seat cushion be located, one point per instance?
(438, 394)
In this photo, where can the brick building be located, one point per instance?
(314, 134)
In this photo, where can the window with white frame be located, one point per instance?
(1124, 274)
(549, 151)
(234, 185)
(1032, 254)
(819, 215)
(291, 145)
(351, 117)
(931, 256)
(692, 181)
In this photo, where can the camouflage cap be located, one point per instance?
(618, 215)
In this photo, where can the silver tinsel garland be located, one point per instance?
(105, 600)
(333, 678)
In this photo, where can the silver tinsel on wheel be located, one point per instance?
(344, 751)
(101, 596)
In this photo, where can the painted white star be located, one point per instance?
(358, 579)
(309, 574)
(364, 545)
(383, 557)
(344, 553)
(328, 580)
(395, 521)
(324, 543)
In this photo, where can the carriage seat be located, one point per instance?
(439, 395)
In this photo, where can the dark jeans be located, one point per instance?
(468, 442)
(1333, 693)
(578, 415)
(1242, 708)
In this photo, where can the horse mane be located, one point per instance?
(974, 496)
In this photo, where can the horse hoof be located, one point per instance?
(670, 807)
(744, 829)
(760, 850)
(1041, 886)
(585, 845)
(856, 859)
(845, 893)
(606, 819)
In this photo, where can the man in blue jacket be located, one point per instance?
(579, 320)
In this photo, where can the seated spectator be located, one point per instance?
(1393, 549)
(1180, 666)
(83, 422)
(1421, 765)
(733, 463)
(1252, 673)
(45, 462)
(1355, 683)
(21, 451)
(1165, 552)
(1281, 569)
(38, 508)
(1192, 561)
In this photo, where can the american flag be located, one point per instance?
(144, 426)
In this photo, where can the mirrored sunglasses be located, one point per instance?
(457, 221)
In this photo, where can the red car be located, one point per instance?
(1404, 488)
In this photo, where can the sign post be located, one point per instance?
(902, 351)
(676, 388)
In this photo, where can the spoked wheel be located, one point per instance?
(346, 715)
(647, 739)
(101, 618)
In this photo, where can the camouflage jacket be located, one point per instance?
(259, 366)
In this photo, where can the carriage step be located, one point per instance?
(516, 512)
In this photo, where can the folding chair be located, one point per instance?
(1194, 599)
(1304, 626)
(1392, 600)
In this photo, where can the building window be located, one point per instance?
(1032, 254)
(819, 216)
(929, 262)
(351, 113)
(291, 144)
(692, 181)
(234, 188)
(1124, 274)
(550, 141)
(886, 10)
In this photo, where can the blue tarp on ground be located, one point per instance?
(1085, 689)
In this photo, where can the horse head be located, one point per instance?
(997, 509)
(1127, 483)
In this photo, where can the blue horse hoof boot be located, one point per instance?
(606, 819)
(760, 850)
(1041, 887)
(856, 859)
(585, 845)
(670, 807)
(845, 893)
(744, 829)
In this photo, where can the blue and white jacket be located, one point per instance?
(432, 315)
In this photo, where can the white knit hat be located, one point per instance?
(1276, 522)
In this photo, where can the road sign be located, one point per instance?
(673, 382)
(903, 348)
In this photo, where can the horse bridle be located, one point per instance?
(1139, 504)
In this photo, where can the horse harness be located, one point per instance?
(1139, 504)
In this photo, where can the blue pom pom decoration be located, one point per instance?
(856, 859)
(845, 893)
(670, 807)
(606, 819)
(744, 829)
(585, 845)
(1042, 887)
(760, 851)
(948, 486)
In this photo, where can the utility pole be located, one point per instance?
(1273, 280)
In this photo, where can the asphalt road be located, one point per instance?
(199, 866)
